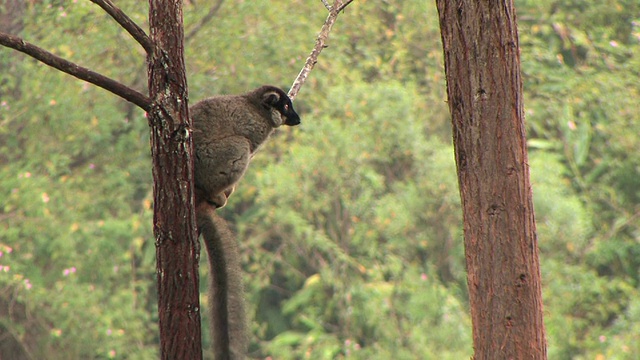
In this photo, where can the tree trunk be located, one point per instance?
(177, 247)
(484, 88)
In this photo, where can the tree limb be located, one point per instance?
(72, 69)
(342, 5)
(334, 11)
(132, 28)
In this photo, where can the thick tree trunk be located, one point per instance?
(484, 87)
(177, 247)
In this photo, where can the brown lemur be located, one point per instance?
(227, 131)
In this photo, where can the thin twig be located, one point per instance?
(132, 28)
(212, 12)
(335, 9)
(73, 69)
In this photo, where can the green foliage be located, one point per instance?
(339, 199)
(581, 97)
(349, 225)
(76, 206)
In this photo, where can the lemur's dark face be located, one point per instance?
(279, 101)
(290, 116)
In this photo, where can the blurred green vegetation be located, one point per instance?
(350, 224)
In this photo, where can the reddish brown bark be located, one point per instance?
(484, 88)
(177, 248)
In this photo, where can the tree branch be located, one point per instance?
(334, 11)
(212, 12)
(72, 69)
(342, 5)
(132, 28)
(326, 4)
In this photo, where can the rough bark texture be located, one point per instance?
(177, 248)
(484, 87)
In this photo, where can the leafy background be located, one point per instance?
(350, 224)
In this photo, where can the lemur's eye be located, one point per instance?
(286, 106)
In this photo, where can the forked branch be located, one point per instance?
(334, 11)
(73, 69)
(85, 74)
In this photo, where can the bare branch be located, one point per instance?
(138, 34)
(326, 4)
(72, 69)
(343, 4)
(334, 10)
(212, 12)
